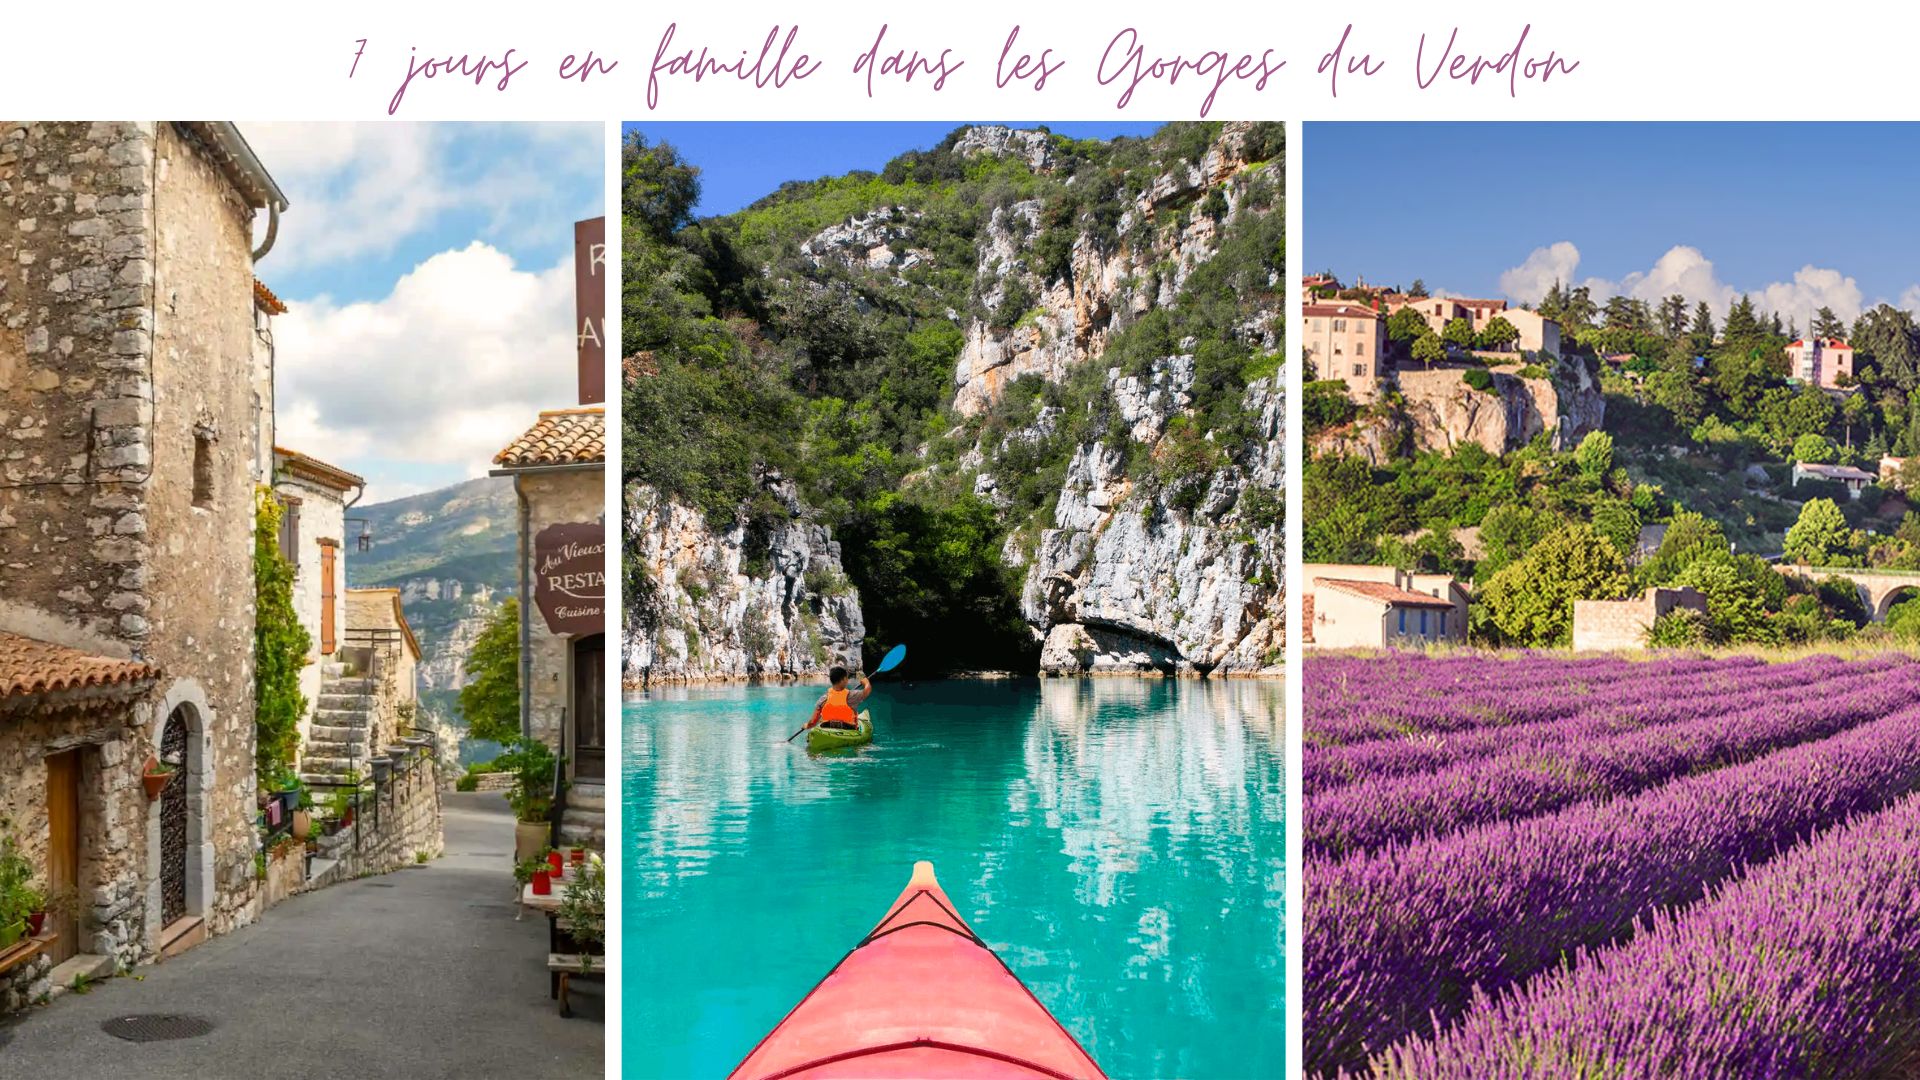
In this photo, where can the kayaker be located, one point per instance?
(840, 708)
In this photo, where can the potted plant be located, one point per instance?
(577, 855)
(583, 907)
(532, 764)
(156, 776)
(533, 872)
(556, 863)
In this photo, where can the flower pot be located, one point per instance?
(36, 922)
(542, 883)
(11, 933)
(529, 840)
(302, 824)
(558, 864)
(398, 753)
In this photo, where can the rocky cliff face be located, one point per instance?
(1074, 315)
(1124, 583)
(721, 605)
(1442, 413)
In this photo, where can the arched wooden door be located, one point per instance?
(174, 749)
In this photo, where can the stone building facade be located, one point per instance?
(314, 498)
(559, 472)
(128, 460)
(1352, 606)
(380, 641)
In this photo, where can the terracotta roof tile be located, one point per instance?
(1380, 590)
(265, 297)
(312, 468)
(31, 666)
(560, 437)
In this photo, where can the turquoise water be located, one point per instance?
(1117, 841)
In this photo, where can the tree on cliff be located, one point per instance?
(1531, 601)
(1458, 332)
(1427, 349)
(1499, 334)
(490, 702)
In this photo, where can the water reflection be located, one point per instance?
(1117, 841)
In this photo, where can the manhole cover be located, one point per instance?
(156, 1027)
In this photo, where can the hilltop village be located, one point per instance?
(1605, 474)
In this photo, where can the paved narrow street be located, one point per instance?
(418, 973)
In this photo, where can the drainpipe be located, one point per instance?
(526, 616)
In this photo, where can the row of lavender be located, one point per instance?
(1442, 894)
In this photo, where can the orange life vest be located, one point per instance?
(837, 709)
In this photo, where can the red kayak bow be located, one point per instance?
(920, 996)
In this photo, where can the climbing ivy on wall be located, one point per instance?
(280, 647)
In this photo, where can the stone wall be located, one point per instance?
(200, 568)
(126, 389)
(1602, 625)
(554, 499)
(112, 919)
(398, 820)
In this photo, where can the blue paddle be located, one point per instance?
(887, 663)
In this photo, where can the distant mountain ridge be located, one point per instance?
(451, 554)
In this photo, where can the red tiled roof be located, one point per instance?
(1385, 593)
(560, 437)
(1340, 309)
(266, 299)
(31, 666)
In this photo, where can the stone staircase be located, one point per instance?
(341, 737)
(585, 820)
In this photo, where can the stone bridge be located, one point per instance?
(1879, 589)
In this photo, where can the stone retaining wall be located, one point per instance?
(397, 821)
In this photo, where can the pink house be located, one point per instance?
(1820, 361)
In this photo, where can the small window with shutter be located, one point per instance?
(290, 531)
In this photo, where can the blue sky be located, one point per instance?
(1796, 214)
(741, 161)
(428, 273)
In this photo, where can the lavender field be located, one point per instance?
(1540, 867)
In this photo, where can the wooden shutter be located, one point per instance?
(328, 593)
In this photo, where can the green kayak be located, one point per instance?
(826, 738)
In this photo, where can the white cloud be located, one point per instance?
(443, 371)
(364, 189)
(1529, 281)
(1687, 270)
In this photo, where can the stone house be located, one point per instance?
(1347, 342)
(1538, 334)
(1856, 480)
(313, 500)
(128, 353)
(381, 643)
(1438, 311)
(558, 468)
(1606, 625)
(1354, 606)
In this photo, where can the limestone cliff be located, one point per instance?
(1122, 582)
(719, 603)
(1439, 411)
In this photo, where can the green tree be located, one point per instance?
(1689, 537)
(1458, 332)
(1886, 336)
(1595, 455)
(1417, 290)
(1903, 620)
(658, 187)
(1507, 533)
(1813, 448)
(1531, 601)
(1820, 536)
(490, 702)
(1826, 324)
(1427, 349)
(1735, 606)
(1405, 326)
(280, 647)
(1499, 334)
(1700, 335)
(1673, 317)
(1677, 390)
